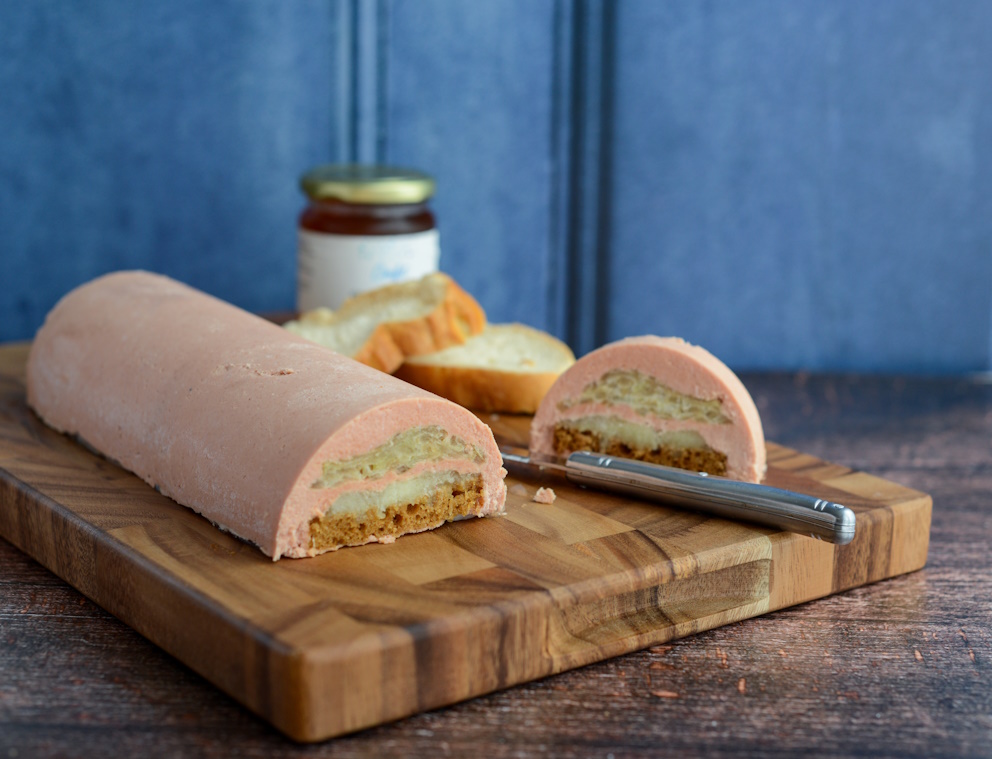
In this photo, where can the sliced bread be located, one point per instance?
(508, 368)
(383, 327)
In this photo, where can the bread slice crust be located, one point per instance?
(448, 316)
(509, 368)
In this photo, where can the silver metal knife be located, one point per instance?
(766, 505)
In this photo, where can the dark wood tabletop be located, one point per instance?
(899, 668)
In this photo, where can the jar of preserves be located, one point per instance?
(364, 226)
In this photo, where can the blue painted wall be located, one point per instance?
(807, 183)
(474, 104)
(791, 183)
(166, 136)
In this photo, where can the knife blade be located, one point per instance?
(769, 506)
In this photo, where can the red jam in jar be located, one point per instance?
(363, 227)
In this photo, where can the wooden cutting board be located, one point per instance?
(336, 643)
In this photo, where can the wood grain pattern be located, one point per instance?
(333, 644)
(839, 675)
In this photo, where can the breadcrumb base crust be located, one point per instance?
(332, 531)
(567, 440)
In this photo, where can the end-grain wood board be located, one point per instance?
(347, 640)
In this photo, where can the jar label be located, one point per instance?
(332, 268)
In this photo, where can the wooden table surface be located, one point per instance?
(900, 668)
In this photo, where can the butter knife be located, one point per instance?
(773, 507)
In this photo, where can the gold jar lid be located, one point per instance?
(367, 184)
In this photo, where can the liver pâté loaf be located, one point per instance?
(280, 441)
(658, 399)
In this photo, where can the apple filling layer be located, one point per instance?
(685, 449)
(647, 397)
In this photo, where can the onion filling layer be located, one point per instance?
(647, 397)
(397, 455)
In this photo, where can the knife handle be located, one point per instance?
(766, 505)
